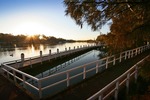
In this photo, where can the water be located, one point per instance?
(75, 62)
(13, 53)
(78, 61)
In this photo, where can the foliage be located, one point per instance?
(35, 39)
(130, 20)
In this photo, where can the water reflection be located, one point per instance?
(78, 61)
(31, 50)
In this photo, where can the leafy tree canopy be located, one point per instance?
(130, 18)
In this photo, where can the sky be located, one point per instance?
(46, 17)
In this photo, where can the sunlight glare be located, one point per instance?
(31, 28)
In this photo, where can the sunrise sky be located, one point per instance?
(42, 17)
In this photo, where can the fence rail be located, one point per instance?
(116, 83)
(42, 84)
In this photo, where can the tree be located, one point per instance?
(130, 19)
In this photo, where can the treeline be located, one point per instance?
(35, 39)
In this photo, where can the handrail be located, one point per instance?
(114, 81)
(30, 76)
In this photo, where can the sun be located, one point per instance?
(31, 28)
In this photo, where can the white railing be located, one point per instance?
(65, 78)
(114, 85)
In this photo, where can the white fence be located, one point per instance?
(45, 86)
(113, 87)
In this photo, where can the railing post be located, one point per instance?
(69, 48)
(127, 83)
(120, 57)
(132, 54)
(30, 62)
(74, 47)
(114, 61)
(40, 90)
(107, 62)
(68, 79)
(41, 57)
(22, 59)
(97, 68)
(100, 97)
(17, 64)
(50, 54)
(65, 49)
(136, 73)
(78, 47)
(136, 52)
(57, 51)
(125, 55)
(116, 90)
(14, 75)
(24, 79)
(84, 72)
(129, 54)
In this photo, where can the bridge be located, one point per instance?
(40, 86)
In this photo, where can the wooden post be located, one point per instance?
(24, 79)
(30, 62)
(139, 50)
(107, 62)
(120, 57)
(100, 97)
(40, 91)
(68, 79)
(114, 61)
(41, 57)
(65, 49)
(136, 52)
(125, 55)
(128, 54)
(136, 73)
(50, 54)
(74, 47)
(57, 51)
(127, 83)
(132, 54)
(84, 72)
(116, 91)
(97, 67)
(22, 59)
(14, 75)
(69, 48)
(78, 47)
(17, 64)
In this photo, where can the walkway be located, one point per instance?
(90, 86)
